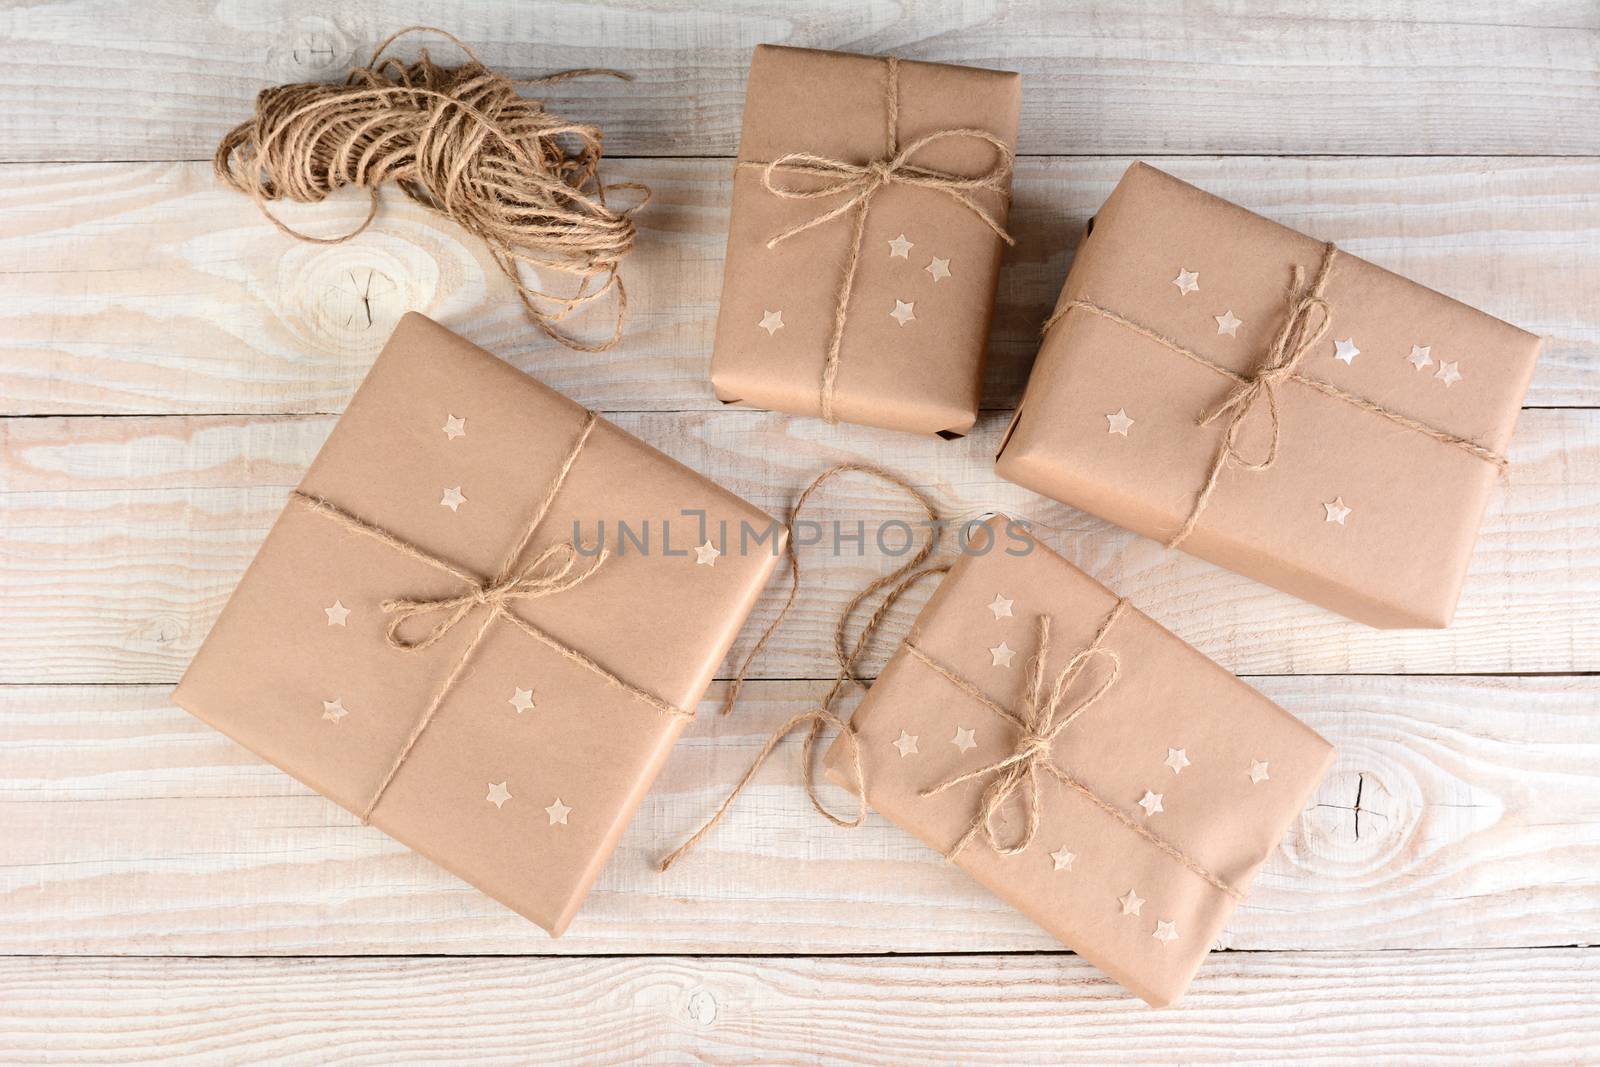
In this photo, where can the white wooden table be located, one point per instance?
(171, 363)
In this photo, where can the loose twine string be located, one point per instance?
(863, 181)
(1307, 322)
(1043, 718)
(461, 142)
(553, 571)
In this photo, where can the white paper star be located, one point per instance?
(1118, 422)
(706, 554)
(903, 312)
(1131, 903)
(939, 268)
(1151, 803)
(337, 614)
(1336, 510)
(334, 710)
(522, 700)
(1421, 356)
(1063, 858)
(558, 812)
(454, 427)
(1002, 654)
(900, 248)
(1346, 351)
(1187, 281)
(1448, 372)
(1166, 931)
(772, 321)
(964, 739)
(1000, 606)
(1228, 325)
(1177, 759)
(1258, 772)
(452, 498)
(906, 744)
(498, 794)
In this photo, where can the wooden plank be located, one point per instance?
(1527, 1007)
(99, 80)
(120, 540)
(1461, 813)
(147, 289)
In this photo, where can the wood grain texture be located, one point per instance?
(162, 80)
(121, 538)
(1461, 813)
(134, 288)
(1525, 1007)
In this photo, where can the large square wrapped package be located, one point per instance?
(878, 312)
(1350, 424)
(501, 710)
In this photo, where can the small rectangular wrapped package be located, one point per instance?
(1274, 405)
(1121, 791)
(446, 633)
(869, 206)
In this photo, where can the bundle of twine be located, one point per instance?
(463, 143)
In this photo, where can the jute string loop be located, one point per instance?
(859, 183)
(1307, 322)
(551, 572)
(464, 144)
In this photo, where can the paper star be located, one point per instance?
(1346, 351)
(1131, 903)
(1000, 606)
(1227, 324)
(964, 739)
(939, 268)
(334, 710)
(900, 248)
(1177, 759)
(337, 614)
(1118, 422)
(706, 554)
(1336, 510)
(498, 795)
(452, 499)
(1002, 654)
(903, 312)
(558, 812)
(1448, 372)
(522, 700)
(1258, 772)
(454, 427)
(1063, 858)
(772, 321)
(1187, 281)
(1151, 803)
(1166, 931)
(1421, 356)
(906, 744)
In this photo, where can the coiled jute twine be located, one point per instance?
(463, 143)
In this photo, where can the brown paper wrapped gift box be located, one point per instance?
(298, 668)
(921, 271)
(1374, 501)
(1176, 782)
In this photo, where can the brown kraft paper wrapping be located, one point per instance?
(533, 762)
(1222, 770)
(1359, 513)
(920, 371)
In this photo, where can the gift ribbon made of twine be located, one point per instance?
(1308, 320)
(1043, 718)
(553, 571)
(862, 182)
(461, 142)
